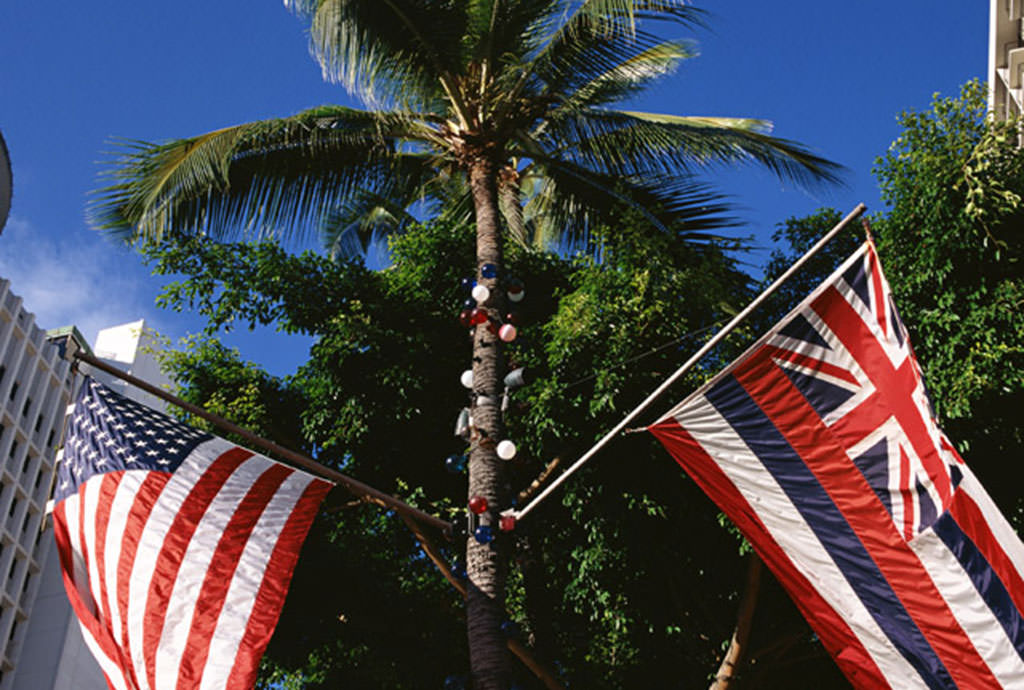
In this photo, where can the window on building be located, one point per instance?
(49, 439)
(39, 422)
(14, 390)
(28, 461)
(28, 404)
(3, 370)
(14, 566)
(14, 449)
(14, 507)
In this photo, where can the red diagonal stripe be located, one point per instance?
(145, 498)
(895, 386)
(99, 633)
(267, 608)
(222, 568)
(907, 494)
(835, 635)
(846, 486)
(108, 488)
(168, 563)
(876, 281)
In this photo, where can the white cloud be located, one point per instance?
(75, 278)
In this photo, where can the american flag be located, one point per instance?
(821, 445)
(177, 547)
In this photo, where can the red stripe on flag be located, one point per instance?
(906, 491)
(98, 632)
(876, 281)
(108, 487)
(168, 562)
(835, 635)
(895, 386)
(142, 505)
(794, 417)
(973, 523)
(276, 577)
(222, 568)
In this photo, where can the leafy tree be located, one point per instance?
(953, 247)
(507, 101)
(624, 578)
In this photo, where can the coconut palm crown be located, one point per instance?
(500, 110)
(527, 84)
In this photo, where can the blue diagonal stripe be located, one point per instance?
(828, 524)
(985, 580)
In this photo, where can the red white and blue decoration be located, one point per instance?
(177, 547)
(820, 444)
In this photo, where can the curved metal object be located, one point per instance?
(6, 182)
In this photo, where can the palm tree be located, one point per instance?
(505, 107)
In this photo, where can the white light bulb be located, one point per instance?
(481, 293)
(506, 450)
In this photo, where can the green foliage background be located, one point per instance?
(626, 578)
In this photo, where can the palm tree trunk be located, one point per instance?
(486, 564)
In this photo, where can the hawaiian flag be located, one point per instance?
(820, 444)
(177, 547)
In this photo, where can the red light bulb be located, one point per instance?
(477, 505)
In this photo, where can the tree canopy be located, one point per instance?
(625, 575)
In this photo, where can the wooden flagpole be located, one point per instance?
(519, 514)
(354, 486)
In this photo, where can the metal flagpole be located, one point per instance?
(353, 485)
(519, 514)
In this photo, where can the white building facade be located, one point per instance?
(1006, 58)
(54, 655)
(36, 387)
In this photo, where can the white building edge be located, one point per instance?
(41, 644)
(1006, 58)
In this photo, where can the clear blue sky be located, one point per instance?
(831, 75)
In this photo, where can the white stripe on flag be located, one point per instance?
(248, 578)
(120, 509)
(195, 562)
(971, 611)
(794, 536)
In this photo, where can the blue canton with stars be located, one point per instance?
(107, 432)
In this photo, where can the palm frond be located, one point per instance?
(627, 78)
(572, 200)
(364, 218)
(259, 178)
(596, 37)
(634, 143)
(387, 52)
(380, 208)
